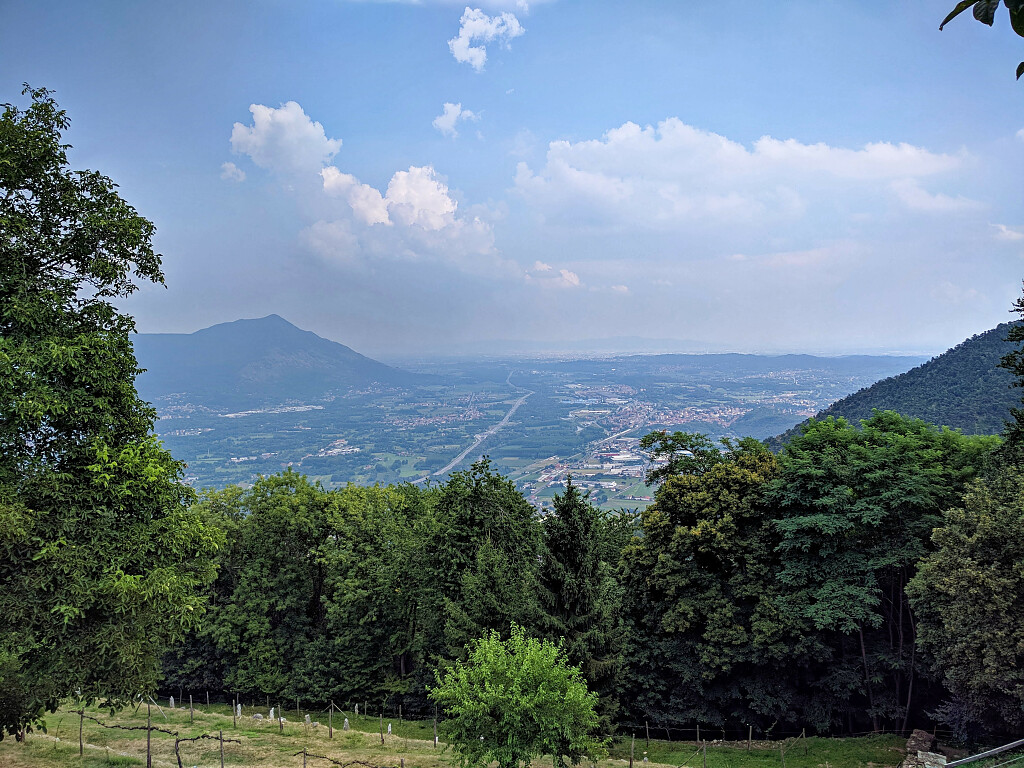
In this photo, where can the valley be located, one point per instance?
(537, 419)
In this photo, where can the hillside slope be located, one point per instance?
(255, 361)
(962, 388)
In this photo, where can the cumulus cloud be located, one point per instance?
(284, 140)
(620, 288)
(366, 202)
(418, 197)
(450, 115)
(231, 172)
(477, 28)
(673, 175)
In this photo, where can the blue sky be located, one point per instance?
(827, 176)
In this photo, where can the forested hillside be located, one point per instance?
(963, 388)
(760, 590)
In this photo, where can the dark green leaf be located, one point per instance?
(1020, 70)
(1017, 19)
(985, 11)
(960, 8)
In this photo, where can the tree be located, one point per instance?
(514, 700)
(683, 453)
(855, 509)
(969, 599)
(985, 12)
(102, 561)
(580, 598)
(1013, 450)
(710, 642)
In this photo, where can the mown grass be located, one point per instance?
(262, 744)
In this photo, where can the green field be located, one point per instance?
(409, 744)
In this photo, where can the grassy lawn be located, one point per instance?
(409, 745)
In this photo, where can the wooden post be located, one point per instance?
(803, 735)
(782, 754)
(191, 714)
(704, 749)
(221, 748)
(207, 699)
(402, 761)
(297, 712)
(149, 733)
(234, 711)
(81, 719)
(303, 757)
(399, 714)
(648, 729)
(382, 726)
(750, 736)
(632, 744)
(280, 718)
(268, 702)
(330, 721)
(698, 733)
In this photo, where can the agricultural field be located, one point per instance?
(254, 742)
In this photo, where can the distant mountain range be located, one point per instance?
(267, 360)
(963, 388)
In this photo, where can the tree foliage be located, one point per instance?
(969, 599)
(985, 12)
(580, 598)
(514, 700)
(102, 559)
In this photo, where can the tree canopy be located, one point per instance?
(102, 559)
(514, 700)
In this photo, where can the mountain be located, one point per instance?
(963, 388)
(268, 360)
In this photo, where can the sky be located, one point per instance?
(409, 177)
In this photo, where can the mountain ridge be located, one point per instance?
(265, 359)
(962, 388)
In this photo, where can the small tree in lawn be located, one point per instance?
(512, 701)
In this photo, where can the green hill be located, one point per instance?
(962, 389)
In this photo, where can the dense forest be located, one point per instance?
(963, 388)
(831, 587)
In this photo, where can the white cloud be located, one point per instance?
(477, 28)
(620, 288)
(545, 276)
(366, 201)
(1008, 233)
(909, 192)
(674, 176)
(1020, 134)
(418, 197)
(284, 140)
(450, 115)
(231, 172)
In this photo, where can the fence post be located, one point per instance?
(280, 718)
(234, 711)
(803, 735)
(698, 733)
(704, 745)
(632, 744)
(191, 715)
(207, 700)
(221, 733)
(81, 719)
(149, 733)
(399, 714)
(782, 754)
(382, 726)
(647, 728)
(330, 721)
(435, 728)
(303, 757)
(750, 735)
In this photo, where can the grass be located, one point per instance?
(410, 744)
